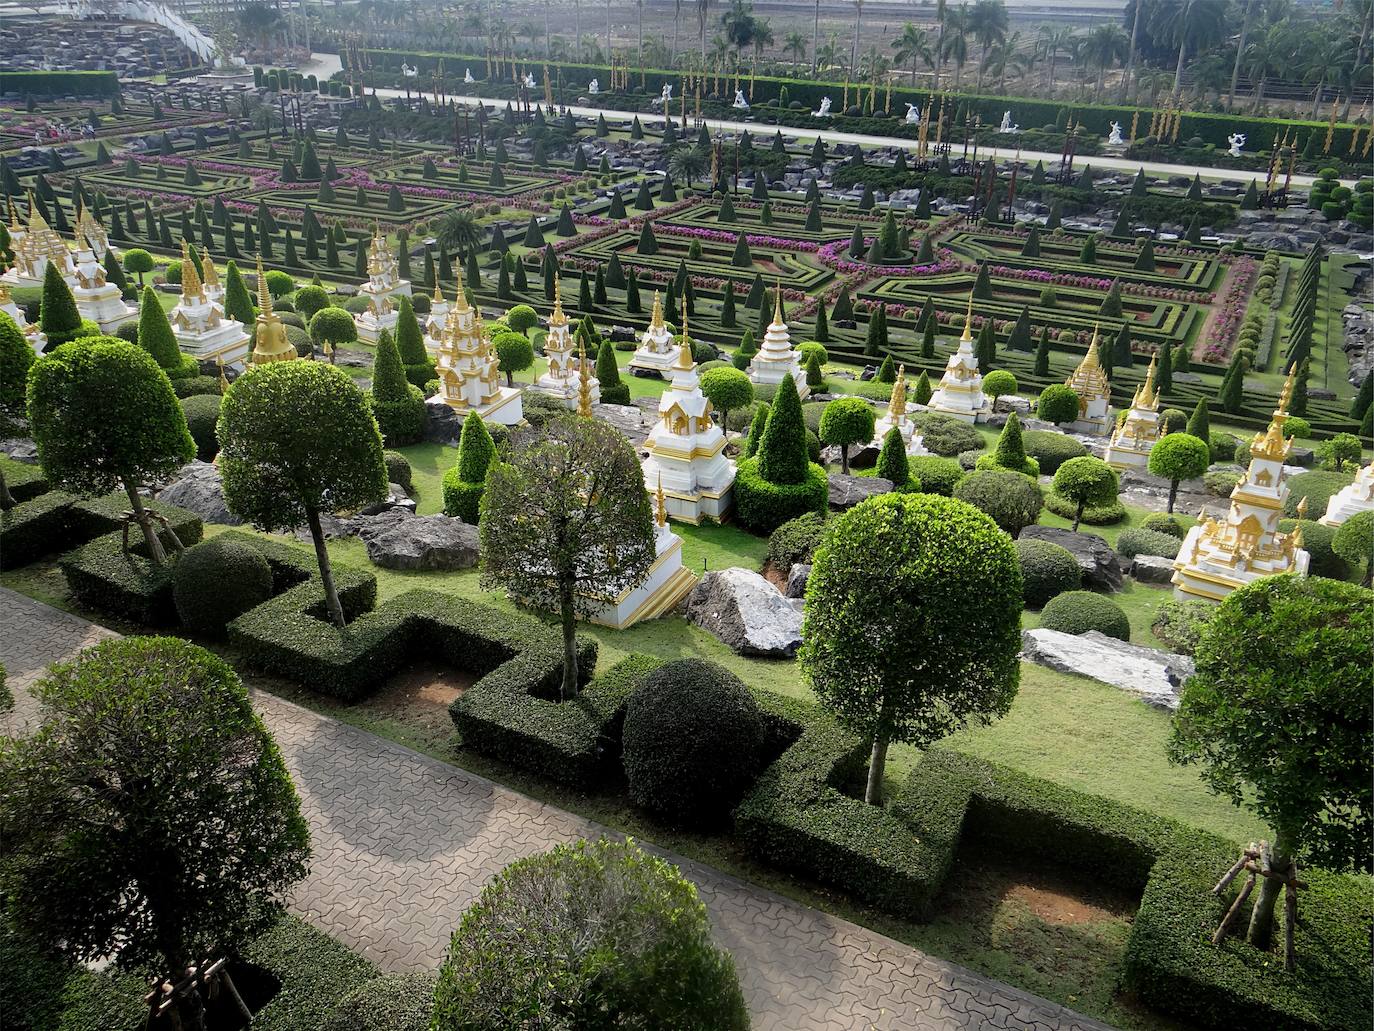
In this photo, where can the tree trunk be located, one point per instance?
(1317, 97)
(6, 498)
(815, 37)
(844, 459)
(156, 554)
(1240, 53)
(331, 594)
(1078, 515)
(854, 50)
(939, 55)
(677, 28)
(1130, 60)
(569, 618)
(1259, 96)
(1277, 858)
(1178, 71)
(1173, 493)
(877, 763)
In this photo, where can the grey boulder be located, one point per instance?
(848, 491)
(1094, 555)
(797, 577)
(432, 543)
(1153, 676)
(197, 488)
(1152, 569)
(747, 613)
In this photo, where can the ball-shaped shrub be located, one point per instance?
(1077, 612)
(217, 581)
(310, 299)
(1316, 486)
(968, 460)
(398, 469)
(1058, 404)
(588, 935)
(947, 436)
(936, 475)
(1051, 449)
(1159, 522)
(202, 412)
(691, 742)
(1136, 540)
(1353, 542)
(1047, 570)
(189, 386)
(1296, 426)
(810, 347)
(1223, 447)
(1220, 482)
(1013, 500)
(397, 1002)
(998, 383)
(795, 541)
(1173, 420)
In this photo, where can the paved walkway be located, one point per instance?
(402, 843)
(325, 65)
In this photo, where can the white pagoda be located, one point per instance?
(960, 393)
(34, 247)
(1216, 557)
(96, 300)
(776, 358)
(469, 379)
(896, 416)
(384, 283)
(37, 340)
(686, 447)
(1139, 431)
(663, 587)
(438, 315)
(567, 376)
(199, 323)
(1089, 381)
(1351, 499)
(656, 351)
(90, 233)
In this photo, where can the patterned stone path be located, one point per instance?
(402, 843)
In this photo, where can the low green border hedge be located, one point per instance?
(24, 481)
(102, 576)
(56, 521)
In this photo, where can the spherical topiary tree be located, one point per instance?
(999, 383)
(332, 326)
(1047, 569)
(846, 421)
(86, 799)
(521, 318)
(1179, 456)
(728, 389)
(1354, 542)
(310, 299)
(281, 470)
(217, 581)
(1077, 612)
(1013, 500)
(1058, 404)
(202, 413)
(398, 470)
(1085, 481)
(1278, 715)
(912, 622)
(103, 414)
(139, 262)
(15, 358)
(514, 353)
(691, 742)
(398, 404)
(589, 934)
(463, 483)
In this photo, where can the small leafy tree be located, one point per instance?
(332, 326)
(1279, 717)
(15, 358)
(1085, 481)
(565, 522)
(310, 299)
(1058, 404)
(846, 421)
(104, 415)
(1354, 542)
(139, 262)
(728, 389)
(912, 622)
(152, 785)
(1179, 456)
(514, 353)
(281, 470)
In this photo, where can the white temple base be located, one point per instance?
(504, 408)
(1125, 456)
(1351, 500)
(16, 279)
(230, 346)
(914, 446)
(398, 288)
(103, 306)
(653, 361)
(1098, 425)
(370, 326)
(962, 414)
(565, 391)
(659, 593)
(692, 501)
(1206, 575)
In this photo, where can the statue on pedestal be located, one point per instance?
(467, 76)
(913, 115)
(409, 71)
(528, 81)
(740, 103)
(667, 95)
(594, 87)
(1006, 125)
(824, 111)
(1236, 140)
(1114, 139)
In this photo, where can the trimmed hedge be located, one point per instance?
(1093, 515)
(1137, 540)
(795, 541)
(397, 1002)
(56, 521)
(936, 475)
(1051, 449)
(25, 481)
(102, 576)
(1078, 612)
(60, 83)
(947, 436)
(761, 506)
(217, 581)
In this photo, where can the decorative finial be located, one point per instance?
(661, 514)
(656, 321)
(208, 275)
(264, 295)
(684, 351)
(777, 301)
(190, 281)
(223, 378)
(1302, 507)
(897, 407)
(584, 387)
(968, 321)
(1145, 398)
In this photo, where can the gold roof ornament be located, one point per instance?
(270, 343)
(1145, 396)
(1302, 507)
(656, 320)
(556, 317)
(223, 376)
(438, 291)
(191, 290)
(777, 303)
(661, 507)
(1272, 444)
(14, 218)
(684, 352)
(36, 219)
(897, 407)
(208, 275)
(968, 321)
(460, 302)
(584, 385)
(1089, 380)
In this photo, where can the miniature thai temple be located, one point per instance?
(1353, 498)
(1139, 431)
(97, 300)
(568, 375)
(686, 447)
(199, 323)
(269, 336)
(438, 315)
(896, 416)
(384, 283)
(30, 330)
(90, 235)
(1218, 556)
(960, 393)
(1089, 381)
(469, 380)
(656, 351)
(34, 246)
(776, 357)
(209, 278)
(667, 582)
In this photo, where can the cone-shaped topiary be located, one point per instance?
(398, 406)
(155, 333)
(782, 450)
(463, 483)
(893, 463)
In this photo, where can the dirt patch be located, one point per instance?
(1052, 898)
(776, 577)
(420, 695)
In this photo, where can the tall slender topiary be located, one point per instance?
(398, 406)
(782, 451)
(893, 463)
(155, 333)
(57, 315)
(464, 482)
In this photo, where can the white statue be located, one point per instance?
(740, 103)
(594, 87)
(1237, 140)
(825, 109)
(913, 115)
(1115, 140)
(667, 95)
(1006, 125)
(409, 70)
(528, 81)
(467, 76)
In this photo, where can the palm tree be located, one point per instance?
(703, 9)
(911, 46)
(816, 36)
(687, 163)
(1134, 16)
(1199, 23)
(1268, 55)
(940, 13)
(1006, 54)
(763, 36)
(795, 44)
(1323, 56)
(988, 25)
(458, 232)
(1240, 53)
(1105, 45)
(955, 47)
(828, 54)
(1059, 38)
(858, 20)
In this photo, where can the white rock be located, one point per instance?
(747, 613)
(1151, 675)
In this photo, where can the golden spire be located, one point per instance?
(1302, 507)
(968, 321)
(661, 508)
(656, 322)
(1089, 379)
(208, 276)
(191, 290)
(14, 218)
(223, 378)
(1272, 444)
(264, 295)
(1090, 359)
(36, 219)
(270, 343)
(584, 386)
(460, 301)
(777, 302)
(684, 351)
(556, 317)
(438, 291)
(1145, 397)
(897, 408)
